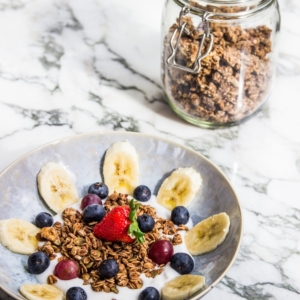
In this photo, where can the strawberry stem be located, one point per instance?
(134, 226)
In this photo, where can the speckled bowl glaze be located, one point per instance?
(83, 155)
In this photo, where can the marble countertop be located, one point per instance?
(73, 66)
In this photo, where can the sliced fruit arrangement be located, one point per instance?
(179, 188)
(182, 287)
(122, 222)
(18, 236)
(56, 187)
(121, 168)
(41, 292)
(208, 234)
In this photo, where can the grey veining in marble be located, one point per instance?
(70, 66)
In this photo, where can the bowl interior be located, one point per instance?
(83, 156)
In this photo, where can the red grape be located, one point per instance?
(90, 199)
(161, 252)
(67, 269)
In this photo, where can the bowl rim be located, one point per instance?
(186, 148)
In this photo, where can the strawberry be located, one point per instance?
(120, 224)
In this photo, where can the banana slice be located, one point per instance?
(121, 168)
(41, 292)
(182, 287)
(208, 234)
(18, 236)
(179, 188)
(56, 187)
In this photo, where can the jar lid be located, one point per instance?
(226, 2)
(227, 8)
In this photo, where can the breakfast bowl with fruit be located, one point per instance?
(115, 216)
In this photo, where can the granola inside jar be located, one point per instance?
(219, 58)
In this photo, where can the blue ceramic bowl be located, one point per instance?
(83, 156)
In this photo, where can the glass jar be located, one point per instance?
(219, 58)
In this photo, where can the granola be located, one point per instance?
(78, 242)
(234, 79)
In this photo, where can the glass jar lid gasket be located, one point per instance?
(252, 7)
(224, 2)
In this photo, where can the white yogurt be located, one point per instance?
(124, 292)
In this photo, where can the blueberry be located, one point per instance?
(43, 219)
(180, 215)
(38, 262)
(100, 189)
(182, 263)
(146, 223)
(76, 293)
(93, 213)
(108, 268)
(149, 293)
(142, 193)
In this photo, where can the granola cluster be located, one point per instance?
(75, 240)
(234, 79)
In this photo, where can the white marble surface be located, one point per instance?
(73, 66)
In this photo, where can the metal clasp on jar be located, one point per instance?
(171, 61)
